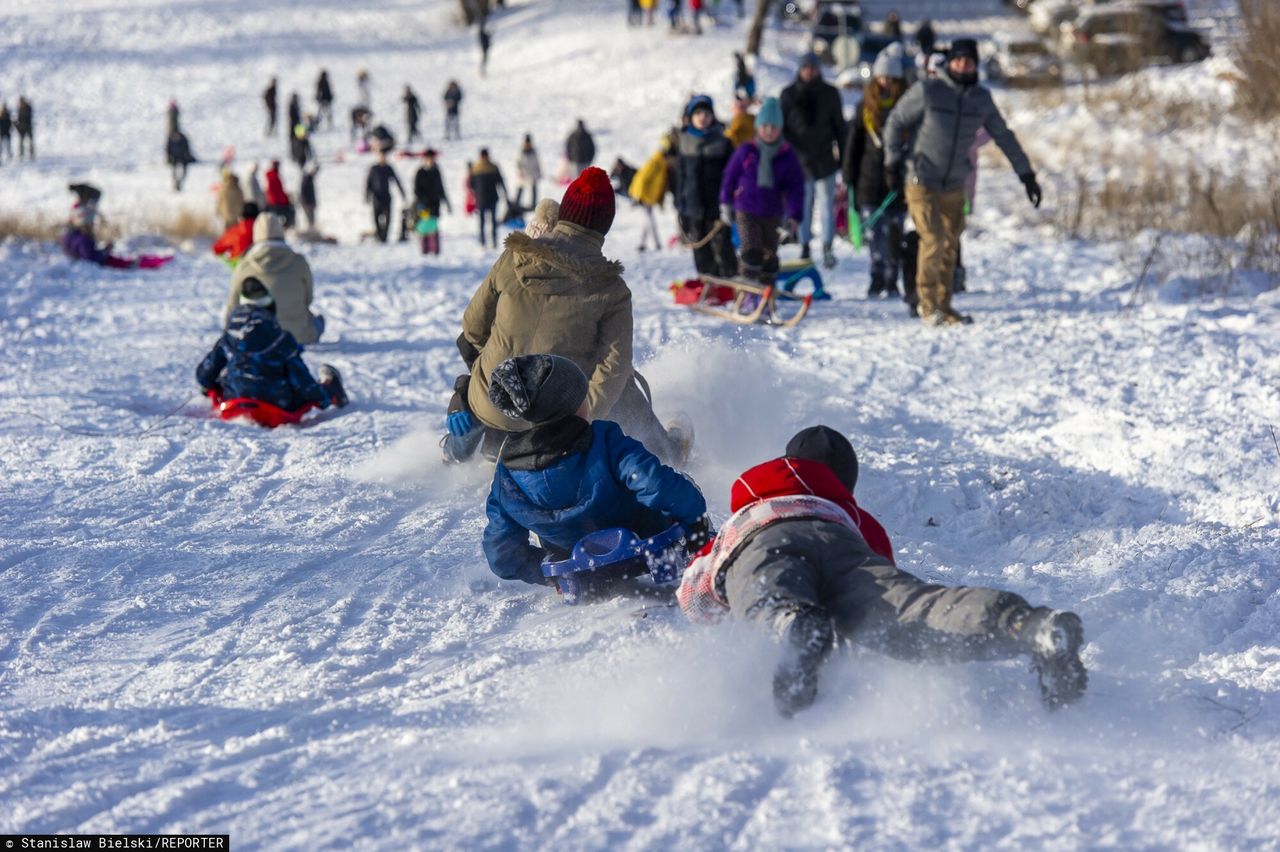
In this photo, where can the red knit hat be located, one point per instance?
(589, 201)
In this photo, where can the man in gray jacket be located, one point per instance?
(927, 140)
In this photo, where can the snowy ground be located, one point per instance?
(292, 636)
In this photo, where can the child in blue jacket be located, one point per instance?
(564, 477)
(257, 359)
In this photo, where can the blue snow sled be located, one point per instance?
(795, 271)
(605, 560)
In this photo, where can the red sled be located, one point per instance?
(263, 413)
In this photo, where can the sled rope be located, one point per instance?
(715, 229)
(97, 434)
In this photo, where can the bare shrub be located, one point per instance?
(1259, 57)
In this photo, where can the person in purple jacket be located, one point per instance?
(762, 185)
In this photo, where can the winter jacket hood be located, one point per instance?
(287, 276)
(555, 294)
(786, 477)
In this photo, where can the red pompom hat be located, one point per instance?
(589, 201)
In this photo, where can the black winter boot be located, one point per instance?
(331, 381)
(806, 642)
(1053, 638)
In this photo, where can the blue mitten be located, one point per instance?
(459, 423)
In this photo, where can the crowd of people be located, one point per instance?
(549, 391)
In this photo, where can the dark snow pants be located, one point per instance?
(802, 568)
(634, 413)
(758, 244)
(381, 218)
(716, 257)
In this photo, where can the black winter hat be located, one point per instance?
(965, 48)
(827, 446)
(537, 388)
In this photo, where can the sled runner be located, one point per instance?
(744, 302)
(263, 413)
(604, 561)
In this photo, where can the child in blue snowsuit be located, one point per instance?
(565, 477)
(257, 359)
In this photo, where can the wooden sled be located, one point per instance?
(743, 302)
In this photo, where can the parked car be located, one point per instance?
(832, 22)
(1020, 59)
(1047, 16)
(1119, 37)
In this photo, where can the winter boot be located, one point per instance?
(804, 252)
(331, 381)
(807, 640)
(828, 257)
(1053, 638)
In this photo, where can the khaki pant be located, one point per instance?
(939, 219)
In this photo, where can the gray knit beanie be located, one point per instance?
(537, 388)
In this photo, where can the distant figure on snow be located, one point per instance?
(324, 98)
(25, 125)
(178, 152)
(269, 102)
(278, 201)
(307, 194)
(412, 111)
(377, 192)
(485, 41)
(528, 172)
(579, 149)
(6, 132)
(452, 103)
(428, 197)
(486, 182)
(230, 203)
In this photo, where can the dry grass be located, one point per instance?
(1259, 57)
(183, 225)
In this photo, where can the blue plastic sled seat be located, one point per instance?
(603, 563)
(793, 272)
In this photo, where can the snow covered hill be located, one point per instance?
(292, 636)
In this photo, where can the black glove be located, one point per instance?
(698, 534)
(894, 178)
(1033, 188)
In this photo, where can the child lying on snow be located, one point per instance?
(257, 359)
(800, 557)
(564, 477)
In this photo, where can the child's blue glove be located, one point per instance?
(459, 423)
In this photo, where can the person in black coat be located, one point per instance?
(25, 125)
(863, 171)
(178, 152)
(324, 97)
(452, 103)
(307, 194)
(6, 132)
(377, 191)
(412, 111)
(428, 197)
(813, 122)
(295, 115)
(269, 101)
(702, 153)
(488, 187)
(579, 149)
